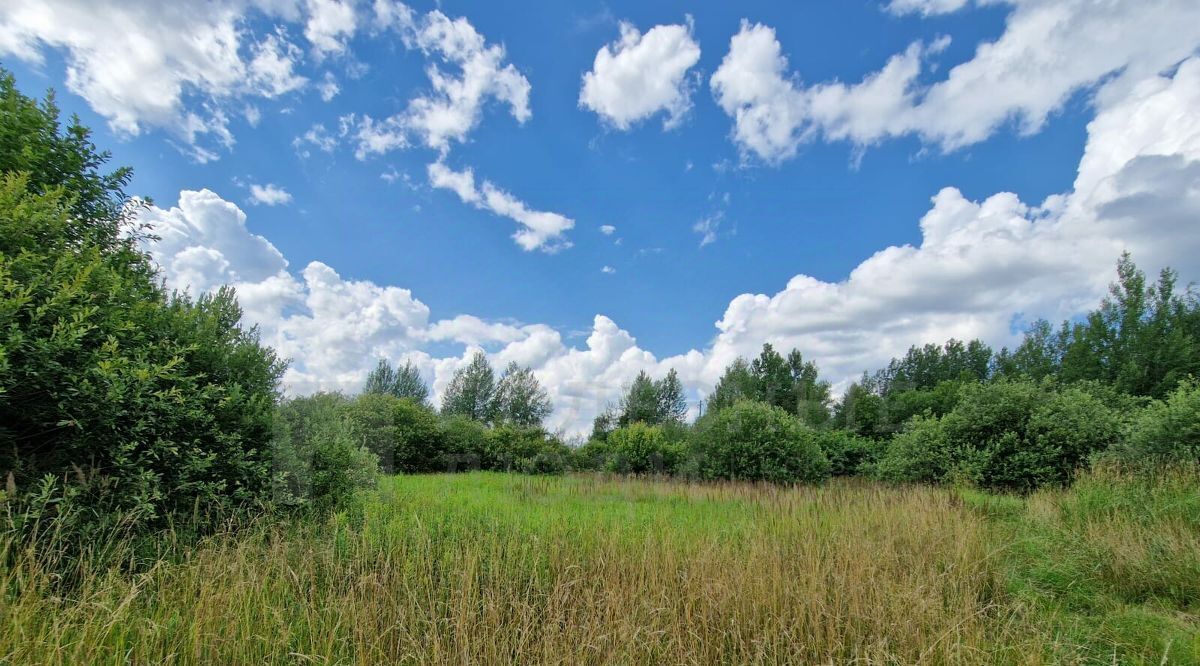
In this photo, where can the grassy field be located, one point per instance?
(492, 568)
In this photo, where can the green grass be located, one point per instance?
(1112, 567)
(494, 568)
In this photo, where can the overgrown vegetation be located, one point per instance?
(161, 499)
(496, 568)
(120, 404)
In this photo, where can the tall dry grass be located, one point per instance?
(487, 568)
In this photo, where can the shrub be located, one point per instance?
(592, 456)
(418, 440)
(753, 441)
(149, 404)
(464, 444)
(529, 450)
(1007, 435)
(320, 462)
(936, 401)
(919, 454)
(1166, 431)
(1022, 435)
(340, 468)
(370, 423)
(639, 448)
(847, 453)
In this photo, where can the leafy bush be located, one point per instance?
(370, 423)
(321, 452)
(919, 454)
(1166, 431)
(148, 404)
(753, 441)
(464, 444)
(592, 456)
(1009, 435)
(937, 400)
(340, 468)
(418, 444)
(640, 449)
(529, 450)
(848, 453)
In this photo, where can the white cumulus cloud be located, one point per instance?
(540, 230)
(640, 75)
(269, 195)
(454, 105)
(1047, 52)
(980, 266)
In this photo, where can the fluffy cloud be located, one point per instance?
(269, 195)
(980, 265)
(540, 230)
(1048, 52)
(980, 268)
(180, 70)
(607, 229)
(455, 104)
(640, 75)
(330, 24)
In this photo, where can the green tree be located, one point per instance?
(403, 382)
(370, 423)
(471, 391)
(418, 439)
(654, 402)
(862, 411)
(753, 441)
(773, 380)
(604, 423)
(672, 405)
(1038, 356)
(736, 384)
(643, 449)
(810, 392)
(640, 403)
(149, 403)
(520, 398)
(1143, 339)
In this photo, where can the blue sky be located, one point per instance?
(713, 216)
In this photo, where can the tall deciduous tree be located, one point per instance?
(472, 391)
(672, 404)
(520, 398)
(403, 382)
(791, 384)
(640, 404)
(654, 402)
(736, 384)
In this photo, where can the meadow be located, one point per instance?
(589, 569)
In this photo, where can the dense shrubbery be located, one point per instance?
(1013, 435)
(320, 460)
(645, 449)
(138, 403)
(848, 454)
(1166, 431)
(753, 441)
(328, 445)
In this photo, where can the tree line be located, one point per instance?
(125, 405)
